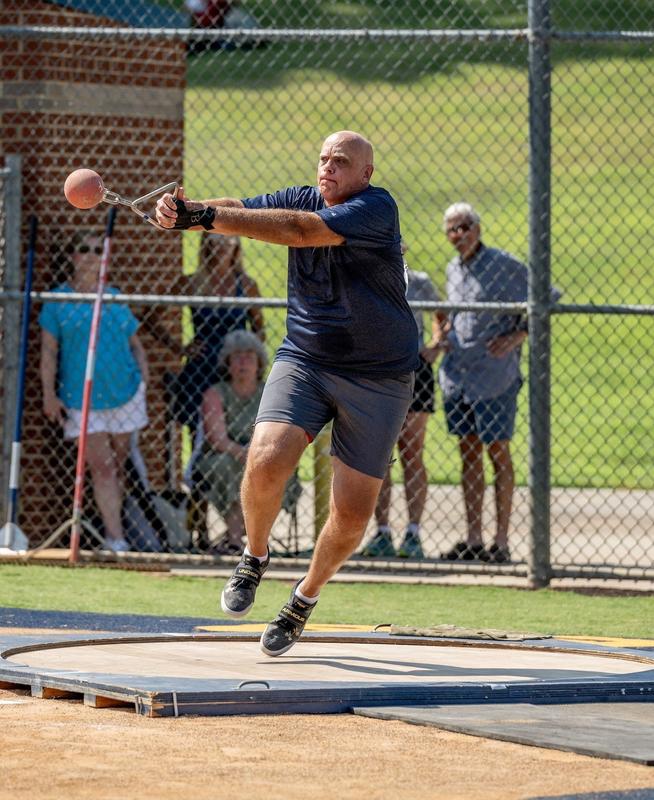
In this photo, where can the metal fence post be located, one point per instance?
(539, 290)
(11, 281)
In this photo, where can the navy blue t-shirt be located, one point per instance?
(347, 309)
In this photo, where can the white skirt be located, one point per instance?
(132, 416)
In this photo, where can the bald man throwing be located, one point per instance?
(349, 353)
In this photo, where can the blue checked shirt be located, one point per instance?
(492, 276)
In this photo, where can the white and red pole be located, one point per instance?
(78, 497)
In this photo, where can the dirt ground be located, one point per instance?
(62, 749)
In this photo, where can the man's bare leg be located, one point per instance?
(105, 476)
(273, 454)
(352, 503)
(382, 509)
(233, 518)
(473, 484)
(381, 543)
(411, 444)
(500, 455)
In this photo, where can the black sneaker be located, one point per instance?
(287, 627)
(498, 554)
(238, 595)
(462, 551)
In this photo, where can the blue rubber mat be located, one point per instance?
(119, 623)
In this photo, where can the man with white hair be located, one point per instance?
(480, 375)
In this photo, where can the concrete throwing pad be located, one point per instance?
(324, 673)
(607, 730)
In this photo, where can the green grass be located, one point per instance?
(122, 592)
(450, 121)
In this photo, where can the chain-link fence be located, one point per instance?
(236, 98)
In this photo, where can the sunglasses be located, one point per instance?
(85, 248)
(463, 228)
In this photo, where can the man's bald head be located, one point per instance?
(355, 143)
(345, 166)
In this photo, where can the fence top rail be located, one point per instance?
(147, 299)
(309, 34)
(603, 36)
(236, 302)
(267, 34)
(597, 308)
(8, 295)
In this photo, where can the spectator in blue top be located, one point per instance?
(348, 356)
(480, 375)
(121, 374)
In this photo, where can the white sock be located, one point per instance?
(246, 552)
(310, 600)
(384, 529)
(413, 528)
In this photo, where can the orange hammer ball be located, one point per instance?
(84, 188)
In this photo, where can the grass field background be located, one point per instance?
(126, 592)
(450, 121)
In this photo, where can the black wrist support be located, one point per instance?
(188, 219)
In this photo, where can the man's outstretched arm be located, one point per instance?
(228, 215)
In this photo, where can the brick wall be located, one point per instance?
(115, 106)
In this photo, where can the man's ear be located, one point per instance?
(368, 171)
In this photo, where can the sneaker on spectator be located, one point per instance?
(284, 631)
(462, 551)
(237, 597)
(411, 546)
(116, 545)
(497, 554)
(381, 544)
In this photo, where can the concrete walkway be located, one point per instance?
(591, 528)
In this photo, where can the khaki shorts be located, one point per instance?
(368, 413)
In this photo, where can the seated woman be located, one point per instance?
(228, 411)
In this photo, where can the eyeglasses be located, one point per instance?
(85, 248)
(464, 227)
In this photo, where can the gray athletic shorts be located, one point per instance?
(368, 412)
